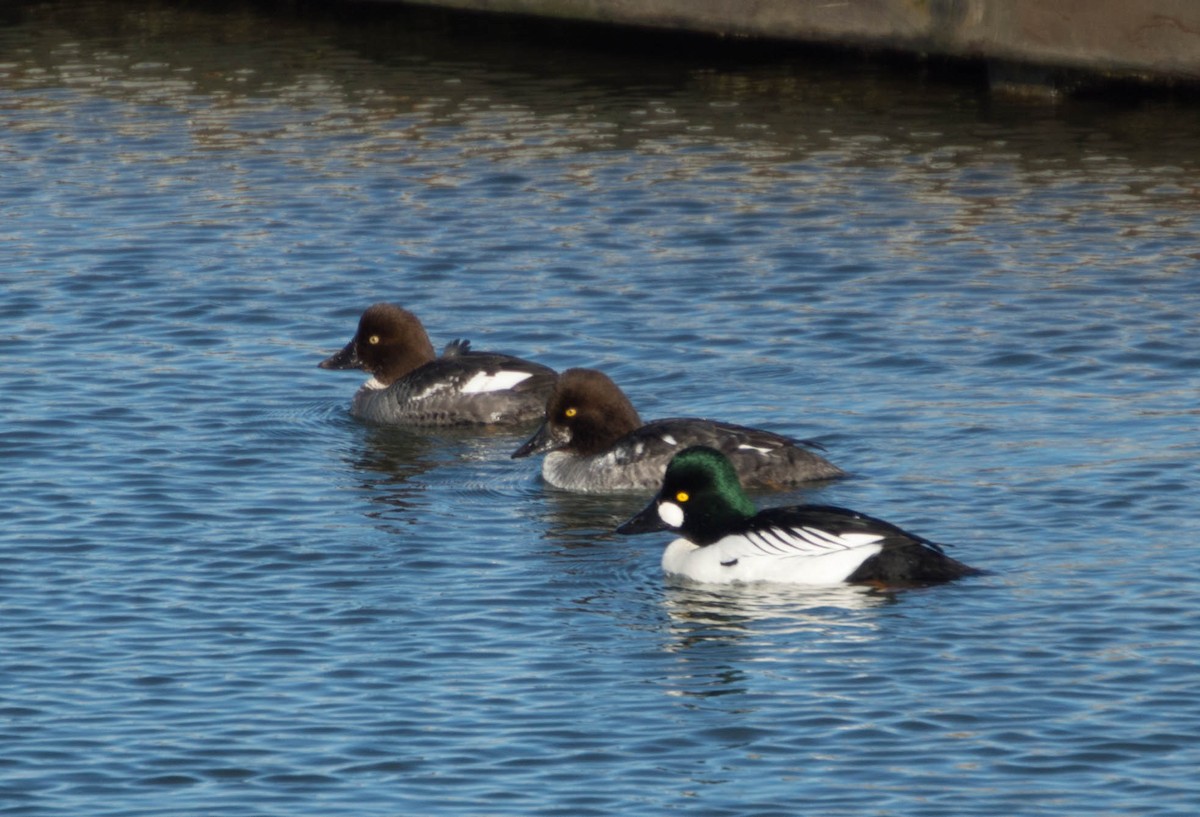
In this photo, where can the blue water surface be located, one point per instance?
(219, 593)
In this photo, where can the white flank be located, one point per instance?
(670, 513)
(675, 562)
(501, 380)
(777, 558)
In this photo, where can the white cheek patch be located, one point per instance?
(671, 514)
(501, 380)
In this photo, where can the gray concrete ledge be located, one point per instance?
(1157, 40)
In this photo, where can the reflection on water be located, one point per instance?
(716, 634)
(781, 606)
(579, 518)
(396, 467)
(387, 463)
(700, 613)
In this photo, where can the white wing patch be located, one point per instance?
(807, 541)
(501, 380)
(434, 388)
(748, 447)
(669, 440)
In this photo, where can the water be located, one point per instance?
(221, 594)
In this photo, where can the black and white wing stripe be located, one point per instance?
(780, 541)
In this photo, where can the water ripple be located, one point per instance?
(223, 593)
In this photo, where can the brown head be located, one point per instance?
(390, 343)
(586, 413)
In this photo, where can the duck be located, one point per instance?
(412, 386)
(595, 442)
(724, 539)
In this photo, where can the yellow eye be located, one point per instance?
(373, 340)
(682, 496)
(571, 412)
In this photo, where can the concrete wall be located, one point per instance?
(1157, 39)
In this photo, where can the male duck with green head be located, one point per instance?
(725, 540)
